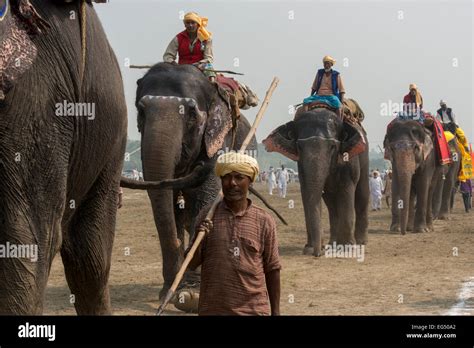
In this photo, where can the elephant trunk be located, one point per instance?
(405, 166)
(161, 150)
(314, 169)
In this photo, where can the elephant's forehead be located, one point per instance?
(158, 100)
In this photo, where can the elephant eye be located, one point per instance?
(3, 8)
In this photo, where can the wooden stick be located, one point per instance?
(140, 66)
(210, 214)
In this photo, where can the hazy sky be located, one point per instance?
(380, 47)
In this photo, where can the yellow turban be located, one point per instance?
(202, 33)
(418, 95)
(329, 59)
(237, 162)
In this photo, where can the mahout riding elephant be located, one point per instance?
(333, 164)
(409, 146)
(185, 122)
(63, 126)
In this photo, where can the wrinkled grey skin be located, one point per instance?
(445, 180)
(410, 149)
(185, 124)
(61, 193)
(318, 140)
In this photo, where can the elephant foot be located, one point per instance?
(420, 229)
(395, 227)
(361, 241)
(308, 250)
(430, 228)
(317, 253)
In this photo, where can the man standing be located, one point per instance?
(271, 181)
(327, 86)
(283, 181)
(240, 264)
(193, 45)
(446, 116)
(466, 191)
(376, 186)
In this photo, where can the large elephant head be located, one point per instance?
(19, 22)
(407, 145)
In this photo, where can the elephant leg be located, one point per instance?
(437, 197)
(429, 211)
(422, 183)
(87, 247)
(411, 210)
(361, 204)
(395, 224)
(346, 212)
(331, 203)
(451, 177)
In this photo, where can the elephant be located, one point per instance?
(409, 146)
(59, 170)
(333, 164)
(185, 122)
(445, 181)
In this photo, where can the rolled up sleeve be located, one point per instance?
(271, 256)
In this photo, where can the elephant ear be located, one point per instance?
(353, 140)
(387, 153)
(218, 124)
(20, 22)
(283, 140)
(427, 145)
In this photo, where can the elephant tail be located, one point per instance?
(264, 201)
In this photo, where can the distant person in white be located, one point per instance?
(283, 181)
(376, 188)
(271, 181)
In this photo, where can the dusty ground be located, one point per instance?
(411, 274)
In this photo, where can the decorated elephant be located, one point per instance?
(409, 146)
(333, 165)
(185, 122)
(63, 126)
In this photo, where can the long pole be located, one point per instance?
(210, 214)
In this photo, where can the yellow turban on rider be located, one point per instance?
(329, 59)
(237, 162)
(418, 95)
(202, 33)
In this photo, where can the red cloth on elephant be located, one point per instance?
(185, 55)
(442, 147)
(227, 83)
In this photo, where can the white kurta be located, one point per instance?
(282, 182)
(271, 182)
(376, 188)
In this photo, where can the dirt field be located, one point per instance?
(411, 274)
